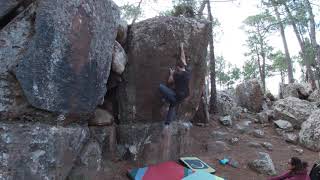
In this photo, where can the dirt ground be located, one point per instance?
(241, 152)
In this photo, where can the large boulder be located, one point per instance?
(225, 102)
(249, 95)
(294, 110)
(13, 41)
(298, 90)
(153, 47)
(309, 135)
(39, 151)
(66, 65)
(152, 142)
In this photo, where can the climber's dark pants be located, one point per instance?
(170, 96)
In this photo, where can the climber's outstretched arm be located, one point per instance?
(182, 55)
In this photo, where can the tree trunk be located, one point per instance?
(285, 45)
(313, 35)
(261, 71)
(302, 47)
(202, 6)
(213, 94)
(136, 16)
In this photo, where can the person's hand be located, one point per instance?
(171, 70)
(181, 45)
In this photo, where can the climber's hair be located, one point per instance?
(298, 164)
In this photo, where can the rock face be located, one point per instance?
(13, 40)
(152, 143)
(39, 151)
(225, 103)
(315, 96)
(67, 63)
(119, 58)
(7, 6)
(250, 96)
(309, 135)
(298, 90)
(294, 110)
(153, 47)
(263, 164)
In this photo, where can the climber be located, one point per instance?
(179, 79)
(297, 170)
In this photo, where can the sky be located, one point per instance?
(230, 43)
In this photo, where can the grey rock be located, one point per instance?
(254, 145)
(217, 147)
(309, 135)
(234, 140)
(40, 151)
(91, 155)
(263, 117)
(101, 118)
(152, 49)
(298, 150)
(263, 164)
(219, 135)
(13, 42)
(268, 146)
(119, 59)
(233, 163)
(249, 95)
(297, 90)
(106, 137)
(294, 110)
(282, 124)
(67, 63)
(225, 102)
(258, 133)
(291, 138)
(152, 142)
(226, 120)
(122, 32)
(315, 96)
(243, 127)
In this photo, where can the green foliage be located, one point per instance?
(183, 10)
(250, 69)
(129, 11)
(279, 62)
(226, 74)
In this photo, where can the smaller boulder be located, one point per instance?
(249, 95)
(218, 147)
(263, 164)
(119, 59)
(243, 127)
(122, 32)
(315, 96)
(102, 118)
(254, 145)
(291, 138)
(268, 146)
(258, 133)
(282, 124)
(226, 120)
